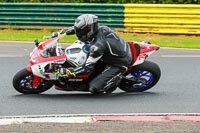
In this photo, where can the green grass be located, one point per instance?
(176, 41)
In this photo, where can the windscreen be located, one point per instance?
(49, 50)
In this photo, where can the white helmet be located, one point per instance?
(75, 54)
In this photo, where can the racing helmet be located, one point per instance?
(86, 26)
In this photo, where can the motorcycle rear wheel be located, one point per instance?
(22, 82)
(147, 73)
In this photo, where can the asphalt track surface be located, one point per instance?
(177, 91)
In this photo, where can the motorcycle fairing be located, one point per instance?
(38, 62)
(145, 51)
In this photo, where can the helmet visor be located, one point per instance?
(82, 34)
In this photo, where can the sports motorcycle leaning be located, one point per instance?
(41, 72)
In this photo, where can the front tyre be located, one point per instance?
(141, 77)
(22, 82)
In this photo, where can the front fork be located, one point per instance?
(36, 79)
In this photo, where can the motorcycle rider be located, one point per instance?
(107, 49)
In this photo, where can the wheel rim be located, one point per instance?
(26, 84)
(145, 75)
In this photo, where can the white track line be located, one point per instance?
(75, 118)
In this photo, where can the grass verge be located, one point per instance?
(175, 41)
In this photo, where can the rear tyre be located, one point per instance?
(146, 74)
(22, 82)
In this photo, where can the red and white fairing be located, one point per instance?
(145, 51)
(39, 58)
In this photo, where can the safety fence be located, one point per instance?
(58, 14)
(171, 19)
(139, 18)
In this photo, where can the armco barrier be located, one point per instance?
(58, 14)
(172, 19)
(139, 18)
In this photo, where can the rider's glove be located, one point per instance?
(54, 34)
(65, 72)
(68, 30)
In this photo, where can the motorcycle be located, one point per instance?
(45, 59)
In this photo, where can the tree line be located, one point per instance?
(111, 1)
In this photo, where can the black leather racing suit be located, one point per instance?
(113, 51)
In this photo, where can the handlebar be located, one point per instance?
(54, 34)
(68, 31)
(47, 37)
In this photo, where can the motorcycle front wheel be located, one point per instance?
(141, 77)
(22, 82)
